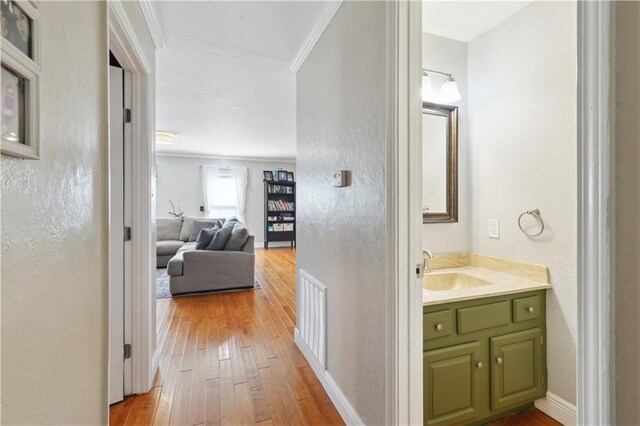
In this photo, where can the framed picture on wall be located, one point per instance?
(20, 87)
(290, 176)
(268, 175)
(282, 175)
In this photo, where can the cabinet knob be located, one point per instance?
(439, 327)
(479, 365)
(530, 309)
(499, 360)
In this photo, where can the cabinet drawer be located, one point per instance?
(484, 316)
(527, 308)
(438, 324)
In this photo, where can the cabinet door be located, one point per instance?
(516, 369)
(451, 384)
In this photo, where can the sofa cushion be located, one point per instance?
(187, 246)
(168, 247)
(239, 236)
(168, 228)
(222, 236)
(205, 237)
(187, 225)
(200, 224)
(175, 266)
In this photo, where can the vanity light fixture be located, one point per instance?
(164, 138)
(448, 93)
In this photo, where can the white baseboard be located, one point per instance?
(274, 244)
(558, 408)
(342, 404)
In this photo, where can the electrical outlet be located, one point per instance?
(494, 228)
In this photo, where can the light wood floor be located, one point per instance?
(533, 417)
(230, 359)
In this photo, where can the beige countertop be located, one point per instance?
(501, 283)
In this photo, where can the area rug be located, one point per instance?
(162, 286)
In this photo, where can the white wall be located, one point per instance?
(442, 54)
(522, 137)
(342, 231)
(180, 180)
(627, 224)
(54, 216)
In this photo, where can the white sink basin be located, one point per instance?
(451, 281)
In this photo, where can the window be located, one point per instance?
(224, 191)
(224, 200)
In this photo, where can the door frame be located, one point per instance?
(404, 213)
(124, 44)
(596, 213)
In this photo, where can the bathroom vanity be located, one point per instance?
(484, 339)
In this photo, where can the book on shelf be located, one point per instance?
(279, 189)
(280, 205)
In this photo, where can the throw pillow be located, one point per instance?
(239, 237)
(205, 236)
(199, 225)
(187, 227)
(220, 238)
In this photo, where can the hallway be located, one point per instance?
(230, 358)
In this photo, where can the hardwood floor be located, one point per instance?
(533, 417)
(229, 358)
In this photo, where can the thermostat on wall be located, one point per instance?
(340, 178)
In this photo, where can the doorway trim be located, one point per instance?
(404, 213)
(124, 44)
(595, 390)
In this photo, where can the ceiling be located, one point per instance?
(466, 20)
(224, 86)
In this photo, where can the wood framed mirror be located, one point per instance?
(439, 163)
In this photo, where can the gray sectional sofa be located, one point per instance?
(192, 270)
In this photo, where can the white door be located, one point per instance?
(119, 243)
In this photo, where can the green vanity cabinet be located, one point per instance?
(454, 387)
(483, 358)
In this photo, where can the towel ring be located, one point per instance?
(536, 215)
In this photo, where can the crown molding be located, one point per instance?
(325, 18)
(226, 157)
(153, 23)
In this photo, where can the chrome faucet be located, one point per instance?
(426, 254)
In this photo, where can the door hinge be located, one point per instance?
(126, 116)
(127, 233)
(127, 351)
(543, 380)
(419, 270)
(541, 340)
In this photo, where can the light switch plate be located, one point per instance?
(339, 178)
(494, 228)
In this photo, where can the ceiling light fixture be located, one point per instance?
(164, 138)
(448, 93)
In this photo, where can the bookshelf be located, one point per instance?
(279, 212)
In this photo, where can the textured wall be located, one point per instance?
(341, 231)
(522, 137)
(180, 180)
(54, 212)
(442, 54)
(627, 238)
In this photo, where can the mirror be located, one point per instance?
(439, 163)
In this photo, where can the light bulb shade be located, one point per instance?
(428, 94)
(164, 138)
(449, 92)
